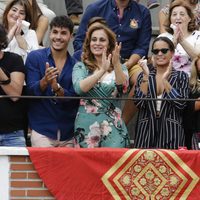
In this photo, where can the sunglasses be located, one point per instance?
(156, 51)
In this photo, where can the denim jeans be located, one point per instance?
(13, 139)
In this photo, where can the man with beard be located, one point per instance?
(49, 73)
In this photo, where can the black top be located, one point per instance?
(12, 114)
(192, 116)
(191, 119)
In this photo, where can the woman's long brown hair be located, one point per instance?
(27, 8)
(87, 56)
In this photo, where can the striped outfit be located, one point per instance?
(166, 130)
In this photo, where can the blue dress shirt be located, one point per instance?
(47, 116)
(133, 29)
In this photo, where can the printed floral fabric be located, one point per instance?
(182, 63)
(98, 122)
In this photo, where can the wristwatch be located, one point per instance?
(58, 88)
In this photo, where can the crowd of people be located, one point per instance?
(111, 60)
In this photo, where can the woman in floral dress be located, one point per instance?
(99, 77)
(181, 29)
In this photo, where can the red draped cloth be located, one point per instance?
(105, 173)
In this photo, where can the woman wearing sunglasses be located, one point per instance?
(181, 29)
(159, 123)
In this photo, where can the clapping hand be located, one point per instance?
(143, 64)
(12, 32)
(116, 55)
(168, 71)
(106, 60)
(51, 74)
(178, 34)
(19, 27)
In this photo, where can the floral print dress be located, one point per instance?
(98, 122)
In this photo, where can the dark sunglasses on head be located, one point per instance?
(156, 51)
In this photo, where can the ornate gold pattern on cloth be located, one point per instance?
(150, 174)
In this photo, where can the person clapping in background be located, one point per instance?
(22, 40)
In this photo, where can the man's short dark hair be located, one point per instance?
(62, 21)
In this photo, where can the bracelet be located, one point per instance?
(58, 89)
(55, 91)
(6, 82)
